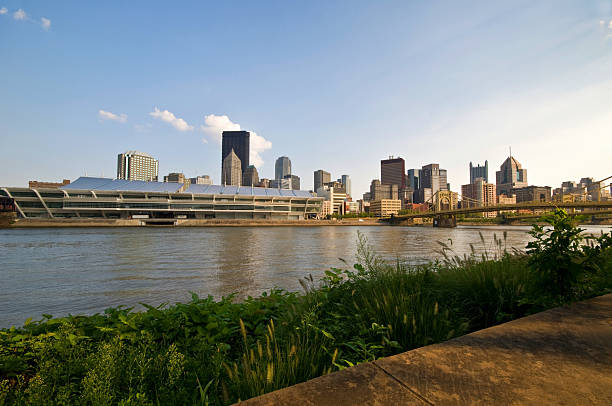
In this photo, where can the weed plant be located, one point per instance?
(215, 352)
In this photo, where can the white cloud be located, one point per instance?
(610, 25)
(215, 125)
(46, 23)
(170, 118)
(107, 115)
(3, 10)
(258, 144)
(19, 15)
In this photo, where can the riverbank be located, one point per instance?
(559, 356)
(220, 351)
(54, 223)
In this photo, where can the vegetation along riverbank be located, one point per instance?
(217, 352)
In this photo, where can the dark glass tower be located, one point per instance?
(479, 172)
(393, 172)
(239, 141)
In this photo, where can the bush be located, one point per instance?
(558, 257)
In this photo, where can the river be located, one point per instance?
(85, 270)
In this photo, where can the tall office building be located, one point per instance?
(479, 172)
(393, 172)
(346, 182)
(282, 167)
(250, 177)
(412, 180)
(320, 178)
(239, 141)
(231, 173)
(134, 165)
(432, 179)
(511, 175)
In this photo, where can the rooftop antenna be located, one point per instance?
(510, 151)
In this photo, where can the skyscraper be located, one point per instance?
(239, 141)
(231, 173)
(320, 178)
(413, 180)
(432, 179)
(393, 172)
(510, 175)
(346, 182)
(282, 167)
(479, 172)
(478, 193)
(134, 165)
(250, 177)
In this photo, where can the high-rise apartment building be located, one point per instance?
(393, 172)
(282, 167)
(321, 177)
(346, 182)
(250, 177)
(239, 141)
(479, 172)
(231, 173)
(511, 175)
(134, 165)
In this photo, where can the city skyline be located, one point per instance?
(66, 101)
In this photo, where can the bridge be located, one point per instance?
(444, 215)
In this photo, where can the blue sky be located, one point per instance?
(336, 85)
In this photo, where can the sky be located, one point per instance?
(333, 85)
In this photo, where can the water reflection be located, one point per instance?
(87, 270)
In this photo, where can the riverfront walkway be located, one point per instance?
(561, 356)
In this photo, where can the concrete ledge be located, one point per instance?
(561, 356)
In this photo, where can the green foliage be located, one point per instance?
(213, 352)
(558, 256)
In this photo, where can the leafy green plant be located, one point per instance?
(556, 254)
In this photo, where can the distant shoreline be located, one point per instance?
(93, 223)
(75, 223)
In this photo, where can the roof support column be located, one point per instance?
(43, 203)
